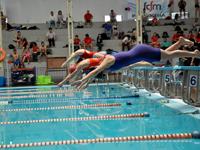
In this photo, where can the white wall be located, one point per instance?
(37, 11)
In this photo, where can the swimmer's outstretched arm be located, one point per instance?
(83, 64)
(73, 56)
(106, 63)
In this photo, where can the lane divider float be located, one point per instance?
(113, 117)
(176, 136)
(63, 107)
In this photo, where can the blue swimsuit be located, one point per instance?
(140, 52)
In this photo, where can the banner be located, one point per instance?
(158, 8)
(151, 8)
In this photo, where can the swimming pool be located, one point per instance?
(42, 115)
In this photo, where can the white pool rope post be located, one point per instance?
(139, 21)
(70, 28)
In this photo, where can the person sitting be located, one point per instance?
(43, 49)
(77, 43)
(99, 42)
(60, 20)
(155, 21)
(126, 42)
(165, 44)
(87, 42)
(16, 59)
(191, 36)
(176, 37)
(52, 20)
(35, 51)
(115, 31)
(136, 56)
(24, 43)
(107, 30)
(26, 55)
(18, 39)
(177, 20)
(155, 40)
(88, 18)
(51, 37)
(197, 39)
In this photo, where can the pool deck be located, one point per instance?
(177, 104)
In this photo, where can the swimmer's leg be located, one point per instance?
(181, 42)
(166, 55)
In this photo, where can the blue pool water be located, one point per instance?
(162, 120)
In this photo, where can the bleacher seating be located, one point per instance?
(39, 35)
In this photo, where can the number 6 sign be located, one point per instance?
(193, 80)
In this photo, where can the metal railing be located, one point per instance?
(173, 82)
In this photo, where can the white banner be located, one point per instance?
(158, 8)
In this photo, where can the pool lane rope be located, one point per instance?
(64, 107)
(113, 117)
(176, 136)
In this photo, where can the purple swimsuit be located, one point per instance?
(140, 52)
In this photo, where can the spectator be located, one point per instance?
(115, 31)
(77, 43)
(35, 51)
(197, 39)
(177, 20)
(155, 40)
(155, 21)
(43, 49)
(107, 30)
(165, 44)
(51, 36)
(18, 39)
(171, 7)
(191, 36)
(113, 16)
(24, 43)
(176, 36)
(99, 42)
(16, 59)
(133, 38)
(88, 18)
(87, 42)
(52, 20)
(126, 42)
(60, 19)
(3, 20)
(26, 55)
(145, 35)
(197, 9)
(182, 4)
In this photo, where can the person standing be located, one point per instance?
(51, 37)
(88, 18)
(197, 9)
(182, 5)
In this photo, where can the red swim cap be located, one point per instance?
(72, 68)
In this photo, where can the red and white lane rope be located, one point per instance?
(113, 117)
(63, 107)
(194, 135)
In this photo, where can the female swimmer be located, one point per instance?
(140, 52)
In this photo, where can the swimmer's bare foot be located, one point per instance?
(197, 53)
(183, 41)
